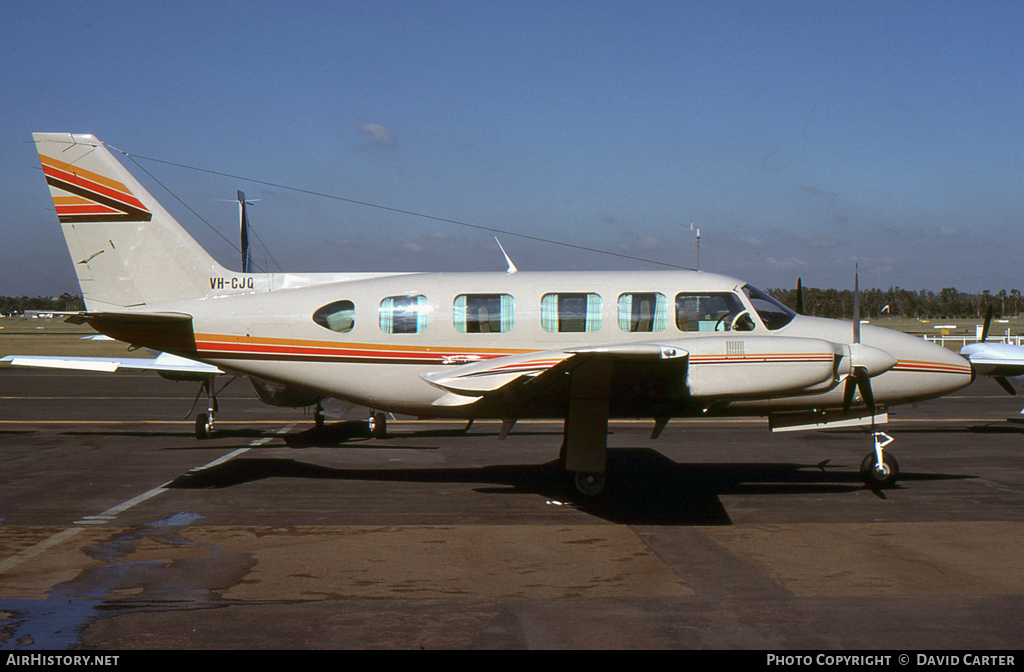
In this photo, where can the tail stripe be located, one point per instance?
(102, 199)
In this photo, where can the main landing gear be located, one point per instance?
(378, 425)
(589, 484)
(204, 421)
(879, 470)
(204, 425)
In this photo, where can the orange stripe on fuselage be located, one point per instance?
(213, 343)
(919, 366)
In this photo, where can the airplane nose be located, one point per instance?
(931, 370)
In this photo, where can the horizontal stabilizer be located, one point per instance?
(164, 331)
(87, 317)
(164, 363)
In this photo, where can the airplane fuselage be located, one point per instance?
(374, 338)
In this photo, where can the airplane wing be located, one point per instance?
(719, 368)
(164, 363)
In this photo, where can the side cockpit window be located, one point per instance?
(339, 316)
(774, 314)
(718, 311)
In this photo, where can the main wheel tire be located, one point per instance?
(588, 483)
(879, 476)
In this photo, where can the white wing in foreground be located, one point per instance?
(163, 363)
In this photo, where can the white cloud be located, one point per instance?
(382, 135)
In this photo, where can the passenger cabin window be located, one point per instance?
(571, 312)
(339, 316)
(484, 313)
(643, 312)
(403, 314)
(720, 311)
(774, 314)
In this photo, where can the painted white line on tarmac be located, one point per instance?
(110, 514)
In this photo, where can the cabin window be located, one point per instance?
(643, 312)
(339, 316)
(571, 312)
(772, 313)
(404, 314)
(484, 313)
(711, 312)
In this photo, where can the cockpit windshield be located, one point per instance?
(774, 314)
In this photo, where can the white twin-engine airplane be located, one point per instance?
(581, 346)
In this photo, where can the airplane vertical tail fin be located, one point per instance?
(127, 250)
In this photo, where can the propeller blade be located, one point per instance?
(799, 297)
(864, 385)
(858, 380)
(1005, 384)
(848, 391)
(988, 322)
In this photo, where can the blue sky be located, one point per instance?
(799, 136)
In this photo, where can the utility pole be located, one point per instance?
(696, 242)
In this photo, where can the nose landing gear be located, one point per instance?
(879, 470)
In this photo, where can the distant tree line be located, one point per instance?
(950, 303)
(16, 305)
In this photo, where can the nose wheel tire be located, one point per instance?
(879, 476)
(204, 426)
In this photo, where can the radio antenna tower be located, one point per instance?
(696, 241)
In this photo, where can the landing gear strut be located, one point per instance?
(378, 425)
(204, 421)
(879, 470)
(585, 437)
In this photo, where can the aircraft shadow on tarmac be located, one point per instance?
(994, 428)
(335, 434)
(645, 487)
